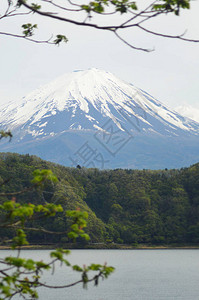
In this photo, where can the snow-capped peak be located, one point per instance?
(81, 100)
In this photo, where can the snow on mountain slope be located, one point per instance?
(189, 111)
(83, 100)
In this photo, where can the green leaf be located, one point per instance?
(35, 6)
(40, 176)
(77, 268)
(29, 29)
(60, 38)
(133, 6)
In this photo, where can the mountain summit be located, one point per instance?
(81, 99)
(93, 107)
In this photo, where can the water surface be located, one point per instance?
(139, 275)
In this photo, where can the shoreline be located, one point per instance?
(104, 247)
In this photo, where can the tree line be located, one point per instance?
(152, 207)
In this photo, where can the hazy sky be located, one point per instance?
(170, 73)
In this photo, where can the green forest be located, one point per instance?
(125, 207)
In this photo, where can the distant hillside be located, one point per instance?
(125, 206)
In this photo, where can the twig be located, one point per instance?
(131, 46)
(27, 38)
(169, 36)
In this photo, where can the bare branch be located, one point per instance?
(74, 4)
(6, 14)
(137, 15)
(11, 14)
(136, 19)
(131, 46)
(49, 41)
(180, 37)
(7, 10)
(62, 286)
(67, 285)
(150, 17)
(62, 7)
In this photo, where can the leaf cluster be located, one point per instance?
(29, 29)
(133, 17)
(19, 276)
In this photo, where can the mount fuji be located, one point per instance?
(94, 119)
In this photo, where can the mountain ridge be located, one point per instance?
(97, 108)
(86, 91)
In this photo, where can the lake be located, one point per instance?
(139, 275)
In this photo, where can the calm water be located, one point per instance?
(140, 274)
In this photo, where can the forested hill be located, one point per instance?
(125, 206)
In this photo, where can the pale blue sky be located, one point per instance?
(170, 73)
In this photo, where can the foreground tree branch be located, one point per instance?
(22, 277)
(49, 41)
(85, 14)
